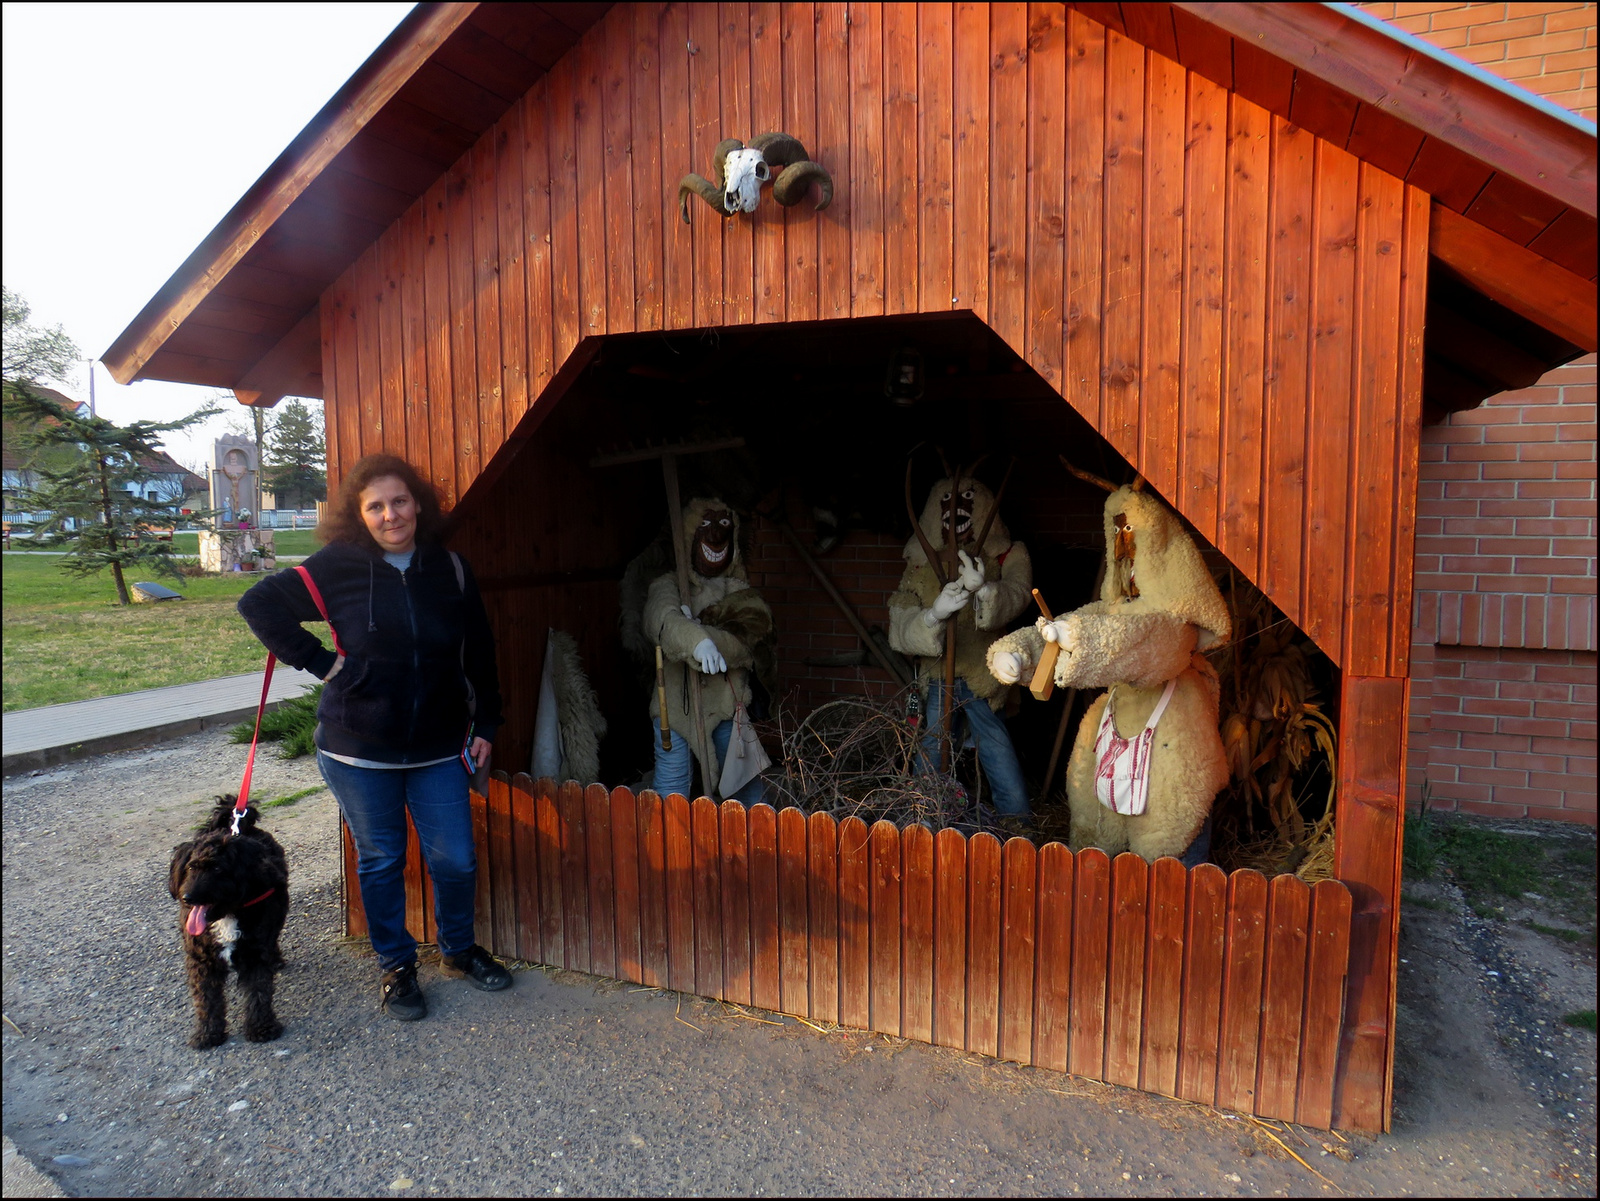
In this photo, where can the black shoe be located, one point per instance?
(402, 999)
(480, 969)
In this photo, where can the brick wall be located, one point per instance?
(1547, 48)
(1503, 665)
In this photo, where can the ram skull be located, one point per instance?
(738, 171)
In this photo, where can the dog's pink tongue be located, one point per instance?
(196, 923)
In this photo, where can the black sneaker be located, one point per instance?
(480, 969)
(402, 998)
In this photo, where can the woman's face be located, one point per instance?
(390, 513)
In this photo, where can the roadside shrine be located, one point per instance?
(1243, 250)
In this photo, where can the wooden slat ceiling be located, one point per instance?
(250, 330)
(248, 324)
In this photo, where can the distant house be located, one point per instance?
(20, 475)
(162, 477)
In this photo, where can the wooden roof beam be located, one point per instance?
(402, 54)
(1533, 287)
(1534, 142)
(291, 368)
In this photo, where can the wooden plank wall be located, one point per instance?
(1233, 302)
(1225, 990)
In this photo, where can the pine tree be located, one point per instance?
(295, 457)
(85, 489)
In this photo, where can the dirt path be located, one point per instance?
(570, 1085)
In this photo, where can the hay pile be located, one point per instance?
(857, 757)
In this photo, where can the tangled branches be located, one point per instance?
(857, 757)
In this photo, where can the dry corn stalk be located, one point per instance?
(1272, 730)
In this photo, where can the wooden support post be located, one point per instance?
(1369, 824)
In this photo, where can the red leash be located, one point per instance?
(266, 682)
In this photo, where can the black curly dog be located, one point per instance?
(235, 894)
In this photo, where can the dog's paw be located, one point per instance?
(265, 1032)
(202, 1039)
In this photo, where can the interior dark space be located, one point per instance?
(829, 414)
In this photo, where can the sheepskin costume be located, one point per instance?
(1008, 575)
(726, 610)
(569, 725)
(1157, 607)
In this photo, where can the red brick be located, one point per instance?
(1554, 490)
(1536, 451)
(1564, 672)
(1538, 727)
(1513, 508)
(1556, 781)
(1546, 565)
(1530, 763)
(1521, 432)
(1574, 470)
(1579, 549)
(1521, 471)
(1481, 564)
(1501, 452)
(1554, 527)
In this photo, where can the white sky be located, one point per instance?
(129, 130)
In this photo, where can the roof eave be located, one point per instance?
(402, 53)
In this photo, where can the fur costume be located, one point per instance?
(726, 610)
(1008, 576)
(577, 725)
(1157, 606)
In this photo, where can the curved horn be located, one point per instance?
(791, 186)
(702, 187)
(916, 524)
(719, 160)
(1087, 477)
(779, 149)
(1138, 483)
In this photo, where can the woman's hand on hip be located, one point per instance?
(479, 750)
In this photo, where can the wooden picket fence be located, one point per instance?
(1225, 990)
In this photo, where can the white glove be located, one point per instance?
(708, 658)
(686, 612)
(952, 598)
(971, 572)
(1060, 631)
(1006, 667)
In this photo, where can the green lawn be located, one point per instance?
(66, 638)
(285, 542)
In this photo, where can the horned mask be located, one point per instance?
(738, 171)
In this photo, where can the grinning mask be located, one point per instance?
(713, 543)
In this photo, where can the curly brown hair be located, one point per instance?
(342, 521)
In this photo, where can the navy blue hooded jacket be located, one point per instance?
(412, 641)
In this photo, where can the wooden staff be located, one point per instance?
(661, 697)
(952, 571)
(1044, 676)
(669, 469)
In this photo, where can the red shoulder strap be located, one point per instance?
(316, 599)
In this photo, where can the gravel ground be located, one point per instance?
(571, 1085)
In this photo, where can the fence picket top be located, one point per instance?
(522, 782)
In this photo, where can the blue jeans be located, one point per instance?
(1199, 851)
(374, 803)
(995, 752)
(675, 768)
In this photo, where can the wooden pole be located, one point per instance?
(669, 469)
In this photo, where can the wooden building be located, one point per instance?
(1243, 249)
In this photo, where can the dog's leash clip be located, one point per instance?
(234, 831)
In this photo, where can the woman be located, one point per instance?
(411, 699)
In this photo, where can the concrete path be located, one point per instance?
(51, 734)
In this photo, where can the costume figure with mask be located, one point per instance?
(992, 586)
(720, 635)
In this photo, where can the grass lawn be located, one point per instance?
(66, 638)
(285, 542)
